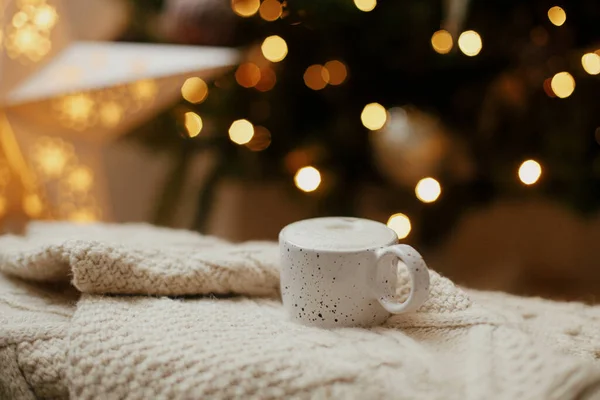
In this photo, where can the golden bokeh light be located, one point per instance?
(400, 223)
(428, 190)
(111, 113)
(267, 80)
(145, 90)
(247, 75)
(441, 41)
(77, 108)
(32, 205)
(260, 140)
(562, 84)
(274, 48)
(591, 63)
(80, 179)
(307, 179)
(530, 172)
(27, 37)
(316, 77)
(245, 8)
(270, 10)
(557, 15)
(365, 5)
(194, 90)
(83, 216)
(44, 17)
(241, 131)
(469, 42)
(373, 116)
(337, 72)
(51, 159)
(193, 123)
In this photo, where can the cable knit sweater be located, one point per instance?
(162, 314)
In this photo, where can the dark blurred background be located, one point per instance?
(472, 128)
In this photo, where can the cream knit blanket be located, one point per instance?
(221, 333)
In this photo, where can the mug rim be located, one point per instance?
(283, 239)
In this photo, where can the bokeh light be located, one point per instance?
(193, 123)
(373, 116)
(428, 190)
(316, 77)
(591, 63)
(241, 131)
(194, 90)
(270, 10)
(365, 5)
(245, 8)
(307, 179)
(530, 172)
(337, 72)
(274, 48)
(557, 15)
(400, 223)
(260, 140)
(267, 79)
(32, 205)
(247, 75)
(562, 84)
(80, 179)
(441, 41)
(469, 42)
(111, 113)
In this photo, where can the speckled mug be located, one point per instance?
(341, 271)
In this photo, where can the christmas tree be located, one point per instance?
(444, 105)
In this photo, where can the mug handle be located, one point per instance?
(418, 272)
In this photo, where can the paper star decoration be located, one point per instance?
(61, 100)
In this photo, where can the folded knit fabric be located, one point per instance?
(158, 313)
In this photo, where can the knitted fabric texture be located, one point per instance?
(158, 313)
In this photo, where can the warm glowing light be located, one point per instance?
(428, 190)
(80, 179)
(529, 172)
(83, 216)
(557, 15)
(274, 48)
(469, 42)
(248, 75)
(562, 84)
(373, 116)
(337, 72)
(111, 113)
(365, 5)
(3, 206)
(77, 108)
(245, 8)
(316, 77)
(32, 205)
(591, 63)
(52, 159)
(241, 131)
(307, 179)
(270, 10)
(193, 123)
(400, 224)
(267, 79)
(144, 90)
(441, 41)
(45, 17)
(261, 139)
(194, 90)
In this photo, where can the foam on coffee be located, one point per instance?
(338, 233)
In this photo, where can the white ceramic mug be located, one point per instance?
(341, 271)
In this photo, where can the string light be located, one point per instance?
(591, 63)
(245, 8)
(365, 5)
(270, 10)
(274, 48)
(194, 90)
(248, 75)
(562, 84)
(307, 179)
(441, 41)
(373, 116)
(557, 15)
(400, 224)
(241, 131)
(428, 190)
(469, 42)
(336, 71)
(316, 77)
(529, 172)
(193, 123)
